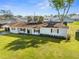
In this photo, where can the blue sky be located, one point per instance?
(28, 7)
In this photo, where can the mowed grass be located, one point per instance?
(15, 46)
(1, 30)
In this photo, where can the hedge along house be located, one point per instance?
(52, 29)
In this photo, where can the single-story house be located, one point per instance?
(52, 29)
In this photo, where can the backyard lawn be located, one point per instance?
(15, 46)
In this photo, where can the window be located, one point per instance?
(57, 30)
(51, 30)
(36, 30)
(21, 29)
(13, 28)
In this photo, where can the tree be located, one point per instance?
(73, 14)
(29, 18)
(62, 7)
(40, 19)
(7, 14)
(36, 18)
(20, 16)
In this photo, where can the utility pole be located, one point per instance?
(33, 17)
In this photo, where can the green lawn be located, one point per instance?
(1, 30)
(77, 23)
(15, 46)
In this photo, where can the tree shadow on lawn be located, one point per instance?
(26, 41)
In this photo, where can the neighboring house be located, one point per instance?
(47, 18)
(21, 19)
(52, 29)
(56, 19)
(75, 17)
(12, 20)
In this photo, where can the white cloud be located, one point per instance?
(43, 5)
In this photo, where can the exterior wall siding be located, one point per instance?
(45, 31)
(14, 31)
(25, 32)
(62, 31)
(35, 33)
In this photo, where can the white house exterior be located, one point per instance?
(57, 29)
(54, 31)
